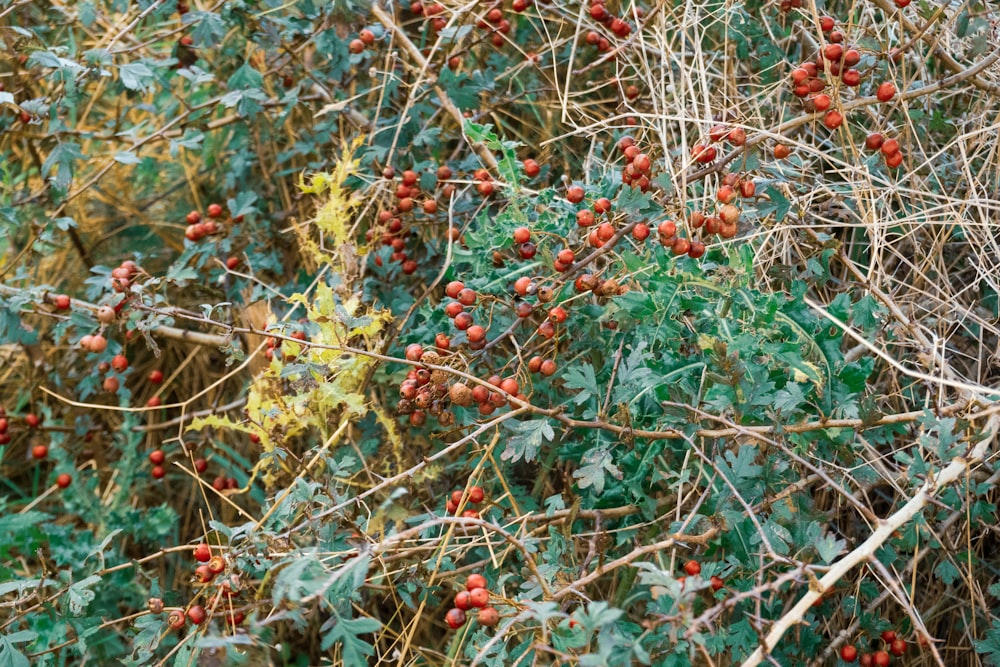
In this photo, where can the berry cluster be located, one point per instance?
(889, 148)
(692, 568)
(638, 166)
(364, 39)
(474, 496)
(893, 644)
(391, 229)
(199, 227)
(616, 24)
(495, 23)
(207, 572)
(475, 596)
(122, 278)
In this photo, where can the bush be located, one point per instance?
(534, 333)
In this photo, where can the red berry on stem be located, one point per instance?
(63, 480)
(463, 600)
(197, 614)
(479, 597)
(475, 581)
(488, 616)
(455, 618)
(848, 653)
(692, 567)
(886, 91)
(202, 553)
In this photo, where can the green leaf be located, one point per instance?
(10, 656)
(778, 204)
(595, 464)
(127, 157)
(829, 547)
(581, 377)
(346, 632)
(80, 595)
(527, 439)
(136, 76)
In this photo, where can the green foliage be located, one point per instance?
(725, 409)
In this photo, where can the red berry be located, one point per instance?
(865, 660)
(826, 23)
(455, 618)
(821, 102)
(703, 154)
(886, 91)
(602, 205)
(200, 465)
(852, 78)
(463, 321)
(33, 420)
(157, 457)
(475, 581)
(585, 218)
(63, 480)
(216, 564)
(197, 614)
(833, 120)
(488, 616)
(717, 583)
(176, 619)
(890, 147)
(475, 333)
(833, 52)
(692, 567)
(574, 194)
(782, 151)
(522, 235)
(467, 297)
(848, 653)
(214, 211)
(888, 636)
(463, 600)
(881, 659)
(874, 141)
(119, 363)
(202, 553)
(61, 301)
(476, 493)
(531, 168)
(897, 647)
(479, 597)
(159, 472)
(640, 232)
(548, 367)
(40, 451)
(522, 285)
(155, 377)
